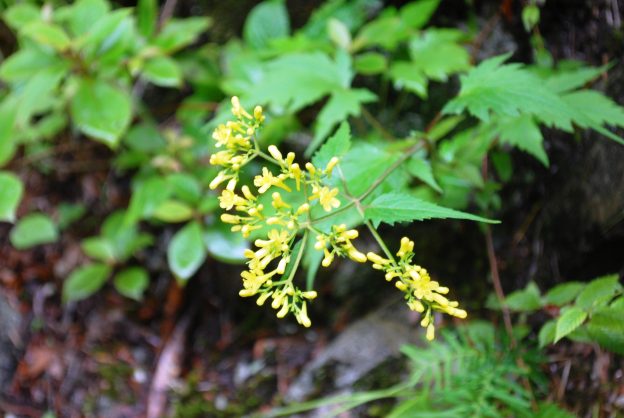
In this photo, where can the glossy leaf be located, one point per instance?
(163, 71)
(33, 229)
(186, 251)
(85, 281)
(132, 282)
(569, 320)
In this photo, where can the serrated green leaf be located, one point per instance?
(186, 251)
(162, 71)
(565, 81)
(267, 21)
(336, 146)
(99, 248)
(179, 33)
(132, 282)
(607, 328)
(421, 169)
(47, 34)
(563, 293)
(173, 211)
(33, 229)
(509, 90)
(523, 133)
(595, 110)
(407, 75)
(101, 111)
(85, 281)
(599, 291)
(569, 320)
(340, 106)
(399, 207)
(547, 333)
(437, 53)
(370, 63)
(11, 191)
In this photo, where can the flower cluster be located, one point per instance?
(283, 220)
(421, 293)
(339, 243)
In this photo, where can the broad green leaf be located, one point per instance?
(179, 33)
(547, 333)
(421, 169)
(340, 106)
(407, 75)
(38, 93)
(509, 90)
(399, 207)
(387, 31)
(416, 14)
(47, 34)
(336, 146)
(599, 291)
(185, 187)
(225, 246)
(267, 21)
(296, 80)
(82, 15)
(11, 191)
(8, 114)
(145, 138)
(19, 15)
(569, 320)
(33, 229)
(607, 328)
(339, 33)
(110, 37)
(25, 63)
(125, 238)
(163, 71)
(147, 14)
(147, 196)
(132, 282)
(99, 248)
(85, 281)
(370, 63)
(525, 300)
(595, 110)
(437, 54)
(523, 133)
(565, 81)
(101, 111)
(186, 251)
(563, 293)
(173, 211)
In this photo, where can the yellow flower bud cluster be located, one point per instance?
(268, 262)
(237, 139)
(421, 293)
(338, 242)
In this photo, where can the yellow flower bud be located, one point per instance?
(230, 219)
(430, 332)
(285, 308)
(310, 294)
(355, 255)
(303, 316)
(330, 165)
(275, 153)
(262, 298)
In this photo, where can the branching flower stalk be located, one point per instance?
(274, 210)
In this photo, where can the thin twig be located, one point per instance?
(167, 12)
(376, 124)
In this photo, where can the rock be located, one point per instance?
(358, 350)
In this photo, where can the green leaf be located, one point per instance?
(110, 38)
(525, 300)
(8, 115)
(294, 81)
(85, 281)
(132, 282)
(417, 14)
(569, 320)
(599, 291)
(179, 33)
(19, 15)
(437, 54)
(33, 229)
(407, 75)
(387, 31)
(268, 20)
(562, 82)
(147, 13)
(82, 15)
(185, 187)
(99, 248)
(163, 71)
(173, 211)
(509, 90)
(595, 110)
(47, 34)
(101, 111)
(186, 251)
(547, 333)
(399, 207)
(11, 191)
(147, 196)
(340, 106)
(421, 169)
(339, 33)
(336, 146)
(225, 246)
(370, 63)
(563, 293)
(607, 328)
(530, 16)
(26, 63)
(523, 133)
(68, 213)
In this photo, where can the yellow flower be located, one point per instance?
(229, 199)
(266, 180)
(326, 196)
